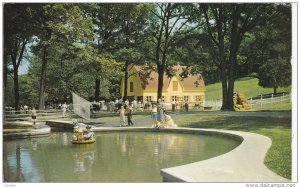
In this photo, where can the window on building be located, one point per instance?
(186, 98)
(174, 98)
(198, 98)
(131, 87)
(175, 86)
(149, 98)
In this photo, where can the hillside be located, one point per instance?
(247, 85)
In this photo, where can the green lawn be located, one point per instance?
(247, 85)
(286, 106)
(278, 158)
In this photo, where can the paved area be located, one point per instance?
(146, 121)
(243, 164)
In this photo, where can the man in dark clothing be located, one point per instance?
(186, 105)
(129, 115)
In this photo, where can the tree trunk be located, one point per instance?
(16, 60)
(126, 80)
(43, 79)
(97, 90)
(232, 56)
(161, 67)
(161, 71)
(16, 89)
(220, 20)
(4, 66)
(275, 90)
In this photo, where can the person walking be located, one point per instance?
(129, 115)
(33, 115)
(122, 116)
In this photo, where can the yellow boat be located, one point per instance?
(90, 141)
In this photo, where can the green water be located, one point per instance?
(114, 157)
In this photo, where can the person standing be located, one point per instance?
(160, 111)
(25, 108)
(64, 110)
(173, 105)
(122, 116)
(134, 102)
(186, 105)
(129, 115)
(33, 115)
(154, 116)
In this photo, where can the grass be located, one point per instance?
(286, 106)
(247, 85)
(278, 157)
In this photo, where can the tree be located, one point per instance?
(275, 73)
(120, 30)
(226, 25)
(275, 42)
(166, 21)
(60, 25)
(18, 30)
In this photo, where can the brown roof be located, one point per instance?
(149, 79)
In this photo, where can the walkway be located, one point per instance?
(146, 121)
(243, 164)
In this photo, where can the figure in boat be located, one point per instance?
(82, 134)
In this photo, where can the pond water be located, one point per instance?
(114, 157)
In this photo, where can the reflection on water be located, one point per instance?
(114, 157)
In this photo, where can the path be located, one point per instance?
(145, 121)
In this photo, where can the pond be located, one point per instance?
(114, 157)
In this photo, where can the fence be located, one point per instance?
(213, 104)
(263, 102)
(255, 102)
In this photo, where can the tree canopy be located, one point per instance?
(88, 47)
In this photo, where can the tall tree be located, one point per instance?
(18, 30)
(274, 40)
(226, 25)
(167, 19)
(61, 24)
(120, 30)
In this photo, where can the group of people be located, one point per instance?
(176, 105)
(159, 116)
(125, 110)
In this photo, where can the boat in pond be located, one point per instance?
(82, 134)
(89, 141)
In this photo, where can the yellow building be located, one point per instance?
(142, 86)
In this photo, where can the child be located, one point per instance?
(154, 116)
